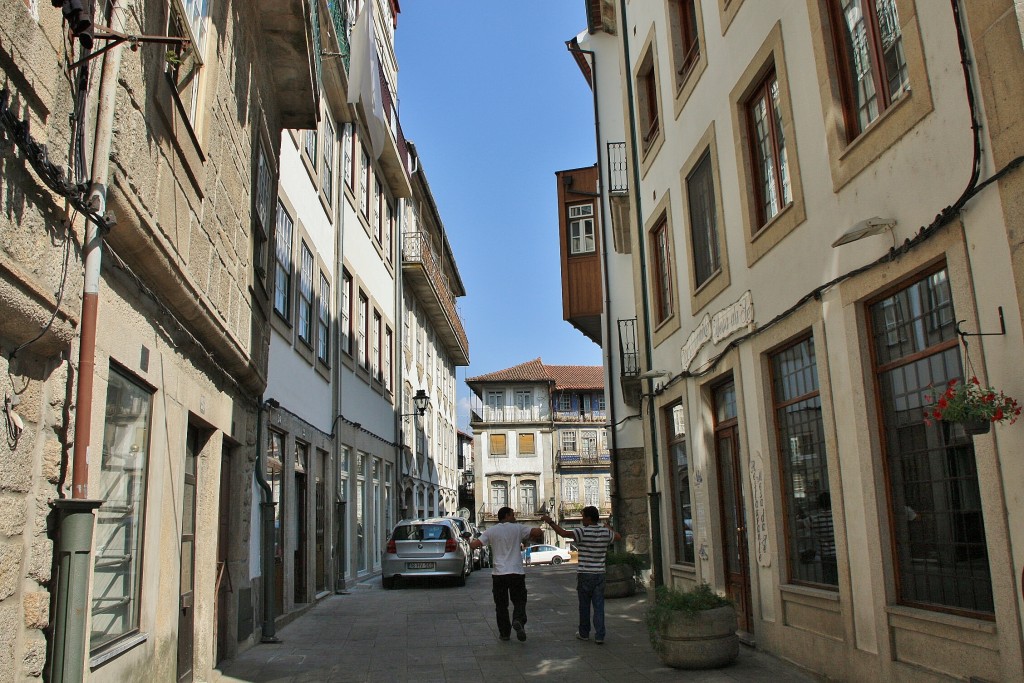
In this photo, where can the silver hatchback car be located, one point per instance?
(432, 548)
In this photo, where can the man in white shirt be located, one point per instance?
(508, 581)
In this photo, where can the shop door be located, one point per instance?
(732, 510)
(186, 592)
(320, 489)
(301, 461)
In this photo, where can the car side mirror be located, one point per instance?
(466, 535)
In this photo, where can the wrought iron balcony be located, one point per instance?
(576, 416)
(583, 458)
(629, 353)
(423, 272)
(618, 170)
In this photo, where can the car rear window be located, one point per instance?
(423, 532)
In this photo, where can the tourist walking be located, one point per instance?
(508, 580)
(592, 541)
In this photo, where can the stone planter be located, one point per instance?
(619, 581)
(702, 640)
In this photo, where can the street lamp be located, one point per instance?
(420, 401)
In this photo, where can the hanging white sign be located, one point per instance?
(734, 317)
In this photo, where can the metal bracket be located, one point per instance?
(1000, 333)
(115, 38)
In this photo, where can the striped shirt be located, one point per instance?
(592, 542)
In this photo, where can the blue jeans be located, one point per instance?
(590, 589)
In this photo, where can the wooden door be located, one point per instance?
(320, 491)
(731, 507)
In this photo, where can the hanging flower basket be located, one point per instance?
(971, 405)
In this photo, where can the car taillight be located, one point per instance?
(392, 548)
(451, 545)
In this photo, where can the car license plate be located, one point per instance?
(420, 565)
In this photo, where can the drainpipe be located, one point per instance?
(653, 493)
(340, 554)
(269, 628)
(75, 517)
(617, 498)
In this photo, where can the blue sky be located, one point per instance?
(495, 105)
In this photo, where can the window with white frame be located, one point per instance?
(499, 494)
(283, 264)
(327, 169)
(364, 321)
(590, 491)
(570, 490)
(188, 18)
(564, 402)
(117, 569)
(581, 229)
(568, 440)
(323, 322)
(495, 405)
(375, 368)
(524, 402)
(527, 496)
(346, 312)
(306, 296)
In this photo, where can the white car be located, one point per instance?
(543, 554)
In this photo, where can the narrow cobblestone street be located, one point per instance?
(432, 632)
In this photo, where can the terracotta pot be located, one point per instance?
(703, 640)
(619, 581)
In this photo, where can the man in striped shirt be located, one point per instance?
(592, 541)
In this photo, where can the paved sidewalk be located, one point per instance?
(426, 632)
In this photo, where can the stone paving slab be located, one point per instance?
(427, 632)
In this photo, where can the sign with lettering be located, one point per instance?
(717, 327)
(761, 541)
(698, 338)
(734, 317)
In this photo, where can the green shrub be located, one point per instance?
(670, 601)
(635, 561)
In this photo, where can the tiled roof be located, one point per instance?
(563, 376)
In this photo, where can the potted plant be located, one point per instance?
(971, 405)
(693, 629)
(621, 569)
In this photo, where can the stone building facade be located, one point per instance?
(182, 332)
(819, 200)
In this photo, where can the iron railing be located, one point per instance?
(583, 458)
(416, 249)
(340, 19)
(629, 354)
(618, 176)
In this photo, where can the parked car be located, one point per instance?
(543, 554)
(465, 528)
(482, 555)
(426, 547)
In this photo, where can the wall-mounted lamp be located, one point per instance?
(865, 228)
(551, 504)
(420, 401)
(655, 374)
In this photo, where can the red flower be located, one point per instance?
(943, 402)
(998, 415)
(974, 380)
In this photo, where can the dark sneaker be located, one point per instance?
(505, 637)
(599, 641)
(517, 626)
(580, 636)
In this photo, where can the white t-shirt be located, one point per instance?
(504, 539)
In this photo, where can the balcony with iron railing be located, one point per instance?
(618, 169)
(423, 272)
(338, 10)
(512, 414)
(580, 416)
(575, 509)
(583, 458)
